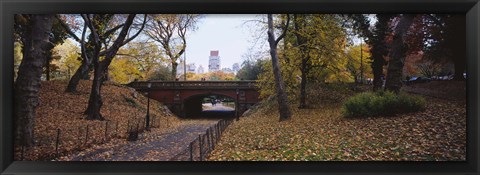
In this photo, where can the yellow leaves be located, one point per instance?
(218, 75)
(122, 70)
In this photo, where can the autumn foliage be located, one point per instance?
(323, 134)
(123, 108)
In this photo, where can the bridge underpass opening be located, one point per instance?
(209, 106)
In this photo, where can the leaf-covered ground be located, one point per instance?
(64, 111)
(321, 133)
(151, 146)
(450, 90)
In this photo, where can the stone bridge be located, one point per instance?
(184, 98)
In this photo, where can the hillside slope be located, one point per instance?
(123, 108)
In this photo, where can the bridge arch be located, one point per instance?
(174, 94)
(193, 106)
(225, 93)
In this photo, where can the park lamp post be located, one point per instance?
(147, 120)
(236, 107)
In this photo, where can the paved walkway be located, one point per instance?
(217, 107)
(154, 147)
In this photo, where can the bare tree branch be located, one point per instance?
(284, 31)
(82, 43)
(67, 28)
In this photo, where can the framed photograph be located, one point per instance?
(230, 87)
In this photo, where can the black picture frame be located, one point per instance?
(10, 7)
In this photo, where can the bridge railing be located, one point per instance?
(193, 84)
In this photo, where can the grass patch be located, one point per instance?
(382, 104)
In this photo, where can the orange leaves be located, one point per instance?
(438, 133)
(64, 111)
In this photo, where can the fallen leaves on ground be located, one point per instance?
(322, 134)
(449, 89)
(155, 145)
(122, 107)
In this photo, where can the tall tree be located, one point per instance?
(318, 39)
(456, 42)
(398, 53)
(300, 25)
(35, 35)
(250, 70)
(170, 31)
(284, 109)
(82, 70)
(376, 38)
(357, 62)
(102, 22)
(100, 67)
(443, 39)
(87, 49)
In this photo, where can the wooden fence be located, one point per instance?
(204, 144)
(54, 143)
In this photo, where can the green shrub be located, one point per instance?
(382, 104)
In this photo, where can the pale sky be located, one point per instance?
(232, 35)
(226, 33)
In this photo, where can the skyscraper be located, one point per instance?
(214, 61)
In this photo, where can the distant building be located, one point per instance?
(227, 70)
(191, 68)
(236, 67)
(180, 69)
(200, 70)
(214, 61)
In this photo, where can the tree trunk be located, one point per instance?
(28, 82)
(82, 71)
(304, 56)
(100, 68)
(282, 99)
(68, 73)
(459, 45)
(79, 74)
(95, 101)
(379, 49)
(377, 68)
(47, 67)
(174, 70)
(459, 65)
(397, 54)
(303, 85)
(87, 50)
(106, 75)
(72, 84)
